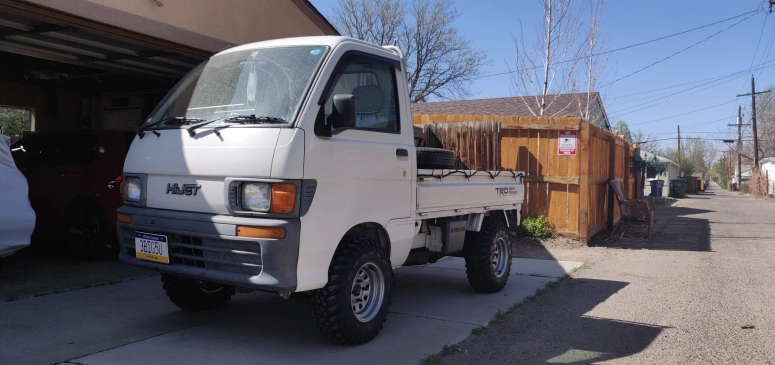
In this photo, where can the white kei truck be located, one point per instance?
(290, 166)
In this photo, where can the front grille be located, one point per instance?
(240, 257)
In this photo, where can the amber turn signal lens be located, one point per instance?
(124, 218)
(261, 232)
(283, 198)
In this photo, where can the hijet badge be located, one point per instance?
(566, 143)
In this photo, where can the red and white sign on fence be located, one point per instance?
(566, 143)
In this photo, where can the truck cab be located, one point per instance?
(289, 166)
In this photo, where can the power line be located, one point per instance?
(677, 53)
(680, 115)
(764, 24)
(627, 47)
(741, 72)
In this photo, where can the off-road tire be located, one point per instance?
(331, 304)
(187, 294)
(478, 252)
(435, 158)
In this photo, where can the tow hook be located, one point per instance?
(285, 294)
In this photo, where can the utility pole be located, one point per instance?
(753, 120)
(679, 151)
(739, 142)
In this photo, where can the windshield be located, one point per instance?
(266, 82)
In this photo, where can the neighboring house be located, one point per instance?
(671, 172)
(768, 166)
(562, 105)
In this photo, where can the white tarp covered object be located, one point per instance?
(17, 219)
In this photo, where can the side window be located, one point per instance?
(70, 150)
(376, 100)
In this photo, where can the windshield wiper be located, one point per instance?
(173, 120)
(238, 119)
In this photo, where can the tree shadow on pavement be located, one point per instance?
(675, 229)
(557, 328)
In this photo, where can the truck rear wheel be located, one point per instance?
(352, 307)
(195, 295)
(488, 256)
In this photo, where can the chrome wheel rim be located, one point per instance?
(368, 291)
(500, 257)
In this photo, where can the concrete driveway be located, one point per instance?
(133, 322)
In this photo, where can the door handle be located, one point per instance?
(402, 152)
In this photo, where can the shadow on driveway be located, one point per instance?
(556, 328)
(676, 229)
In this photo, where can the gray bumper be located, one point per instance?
(205, 247)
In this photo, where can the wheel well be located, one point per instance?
(374, 231)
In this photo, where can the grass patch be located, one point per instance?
(478, 330)
(665, 201)
(500, 315)
(431, 359)
(449, 349)
(536, 227)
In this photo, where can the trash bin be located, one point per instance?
(656, 187)
(678, 188)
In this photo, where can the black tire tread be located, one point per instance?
(185, 294)
(335, 321)
(435, 158)
(476, 252)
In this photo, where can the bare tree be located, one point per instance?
(646, 142)
(377, 21)
(594, 62)
(441, 63)
(549, 65)
(697, 155)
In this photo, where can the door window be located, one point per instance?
(70, 150)
(376, 100)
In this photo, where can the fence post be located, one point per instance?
(584, 182)
(611, 176)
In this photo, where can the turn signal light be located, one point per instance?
(261, 232)
(124, 218)
(283, 198)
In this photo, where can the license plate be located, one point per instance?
(151, 247)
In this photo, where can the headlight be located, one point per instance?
(132, 189)
(256, 196)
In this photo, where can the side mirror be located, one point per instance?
(343, 113)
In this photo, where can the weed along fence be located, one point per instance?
(568, 163)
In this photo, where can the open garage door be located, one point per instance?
(73, 73)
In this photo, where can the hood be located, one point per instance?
(204, 161)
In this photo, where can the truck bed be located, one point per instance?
(442, 193)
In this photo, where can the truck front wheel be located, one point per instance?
(194, 295)
(352, 307)
(488, 256)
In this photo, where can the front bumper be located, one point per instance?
(205, 247)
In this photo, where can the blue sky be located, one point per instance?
(491, 24)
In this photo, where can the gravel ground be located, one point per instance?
(701, 292)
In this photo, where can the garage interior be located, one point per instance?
(75, 74)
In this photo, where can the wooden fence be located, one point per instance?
(572, 191)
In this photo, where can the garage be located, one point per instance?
(69, 67)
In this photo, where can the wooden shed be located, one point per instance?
(567, 180)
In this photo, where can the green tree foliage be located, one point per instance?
(696, 156)
(621, 128)
(14, 121)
